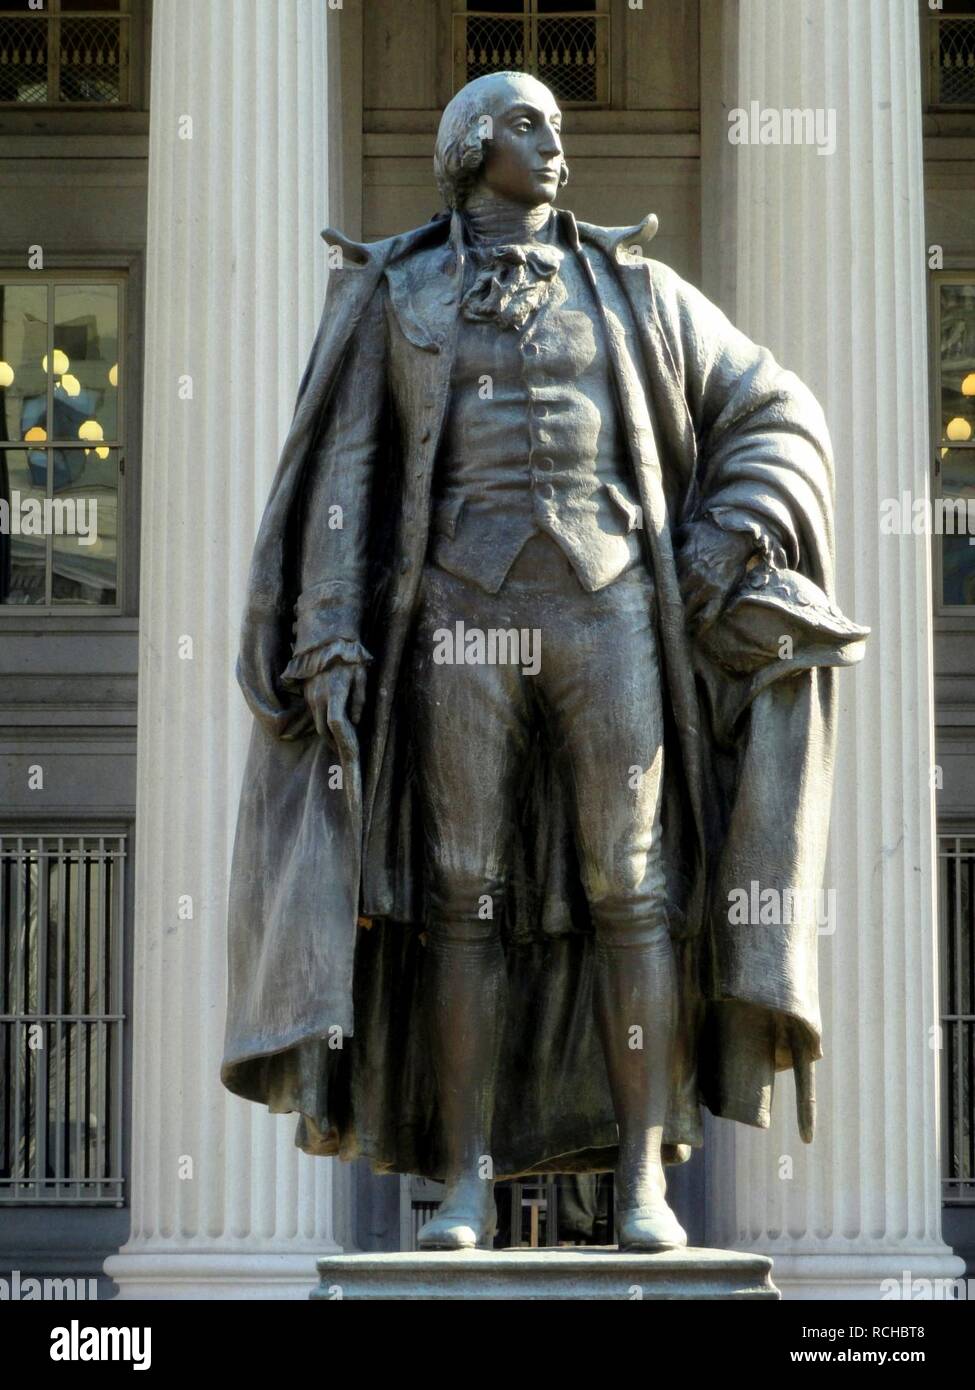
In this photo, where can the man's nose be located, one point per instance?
(550, 144)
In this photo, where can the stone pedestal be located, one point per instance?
(596, 1272)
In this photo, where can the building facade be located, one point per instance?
(166, 169)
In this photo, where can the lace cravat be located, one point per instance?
(511, 282)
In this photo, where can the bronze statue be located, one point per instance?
(539, 640)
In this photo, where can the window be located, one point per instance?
(564, 43)
(951, 49)
(69, 53)
(954, 385)
(61, 1019)
(61, 442)
(957, 913)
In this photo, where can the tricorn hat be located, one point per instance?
(781, 615)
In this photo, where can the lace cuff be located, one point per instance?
(304, 665)
(768, 542)
(326, 630)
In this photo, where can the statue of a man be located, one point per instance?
(539, 640)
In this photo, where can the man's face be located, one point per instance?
(523, 159)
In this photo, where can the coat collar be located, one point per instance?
(426, 276)
(623, 245)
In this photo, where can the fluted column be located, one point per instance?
(222, 1202)
(831, 275)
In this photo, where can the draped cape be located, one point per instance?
(326, 913)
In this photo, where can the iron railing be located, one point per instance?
(568, 51)
(61, 1019)
(957, 912)
(64, 58)
(952, 60)
(532, 1212)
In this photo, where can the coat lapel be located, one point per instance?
(626, 248)
(424, 291)
(424, 295)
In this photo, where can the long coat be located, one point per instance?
(326, 942)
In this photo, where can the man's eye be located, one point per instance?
(523, 126)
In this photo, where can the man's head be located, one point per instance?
(501, 133)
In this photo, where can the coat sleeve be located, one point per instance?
(764, 456)
(334, 525)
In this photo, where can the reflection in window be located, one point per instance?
(85, 532)
(86, 322)
(60, 438)
(957, 557)
(955, 387)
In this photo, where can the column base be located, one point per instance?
(594, 1272)
(879, 1277)
(155, 1275)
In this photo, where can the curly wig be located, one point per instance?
(459, 151)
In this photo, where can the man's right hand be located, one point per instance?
(336, 698)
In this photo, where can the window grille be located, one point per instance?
(953, 60)
(65, 54)
(957, 893)
(61, 1020)
(567, 49)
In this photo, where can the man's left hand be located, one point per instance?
(710, 565)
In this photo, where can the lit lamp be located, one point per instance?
(36, 435)
(6, 375)
(958, 430)
(91, 431)
(70, 385)
(968, 385)
(113, 377)
(61, 362)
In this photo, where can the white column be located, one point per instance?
(223, 1205)
(831, 275)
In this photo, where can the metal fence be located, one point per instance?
(952, 60)
(55, 58)
(61, 1020)
(567, 51)
(957, 911)
(558, 1209)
